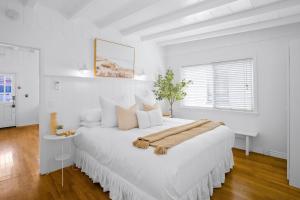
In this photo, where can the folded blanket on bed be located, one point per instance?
(168, 138)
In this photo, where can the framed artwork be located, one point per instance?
(112, 59)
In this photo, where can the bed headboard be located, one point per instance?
(76, 94)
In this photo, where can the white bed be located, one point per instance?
(189, 171)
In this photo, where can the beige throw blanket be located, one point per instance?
(168, 138)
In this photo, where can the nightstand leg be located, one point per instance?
(62, 165)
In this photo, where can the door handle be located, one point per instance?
(14, 99)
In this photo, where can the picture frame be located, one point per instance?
(112, 59)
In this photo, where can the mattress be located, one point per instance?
(172, 176)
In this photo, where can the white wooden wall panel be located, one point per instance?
(294, 137)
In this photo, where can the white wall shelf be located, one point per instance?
(95, 78)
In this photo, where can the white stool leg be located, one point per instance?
(247, 145)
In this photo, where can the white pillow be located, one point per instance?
(143, 119)
(148, 119)
(90, 124)
(109, 113)
(91, 115)
(148, 99)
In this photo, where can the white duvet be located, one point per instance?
(169, 176)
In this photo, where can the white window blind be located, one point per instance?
(222, 85)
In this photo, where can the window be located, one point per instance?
(5, 89)
(221, 85)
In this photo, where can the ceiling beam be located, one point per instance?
(76, 9)
(29, 3)
(177, 14)
(124, 11)
(240, 29)
(225, 19)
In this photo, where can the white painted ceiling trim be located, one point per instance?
(177, 14)
(225, 19)
(241, 29)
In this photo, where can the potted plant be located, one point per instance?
(165, 88)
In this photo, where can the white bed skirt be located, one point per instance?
(120, 189)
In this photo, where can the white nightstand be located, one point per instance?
(63, 156)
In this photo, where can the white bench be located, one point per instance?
(247, 136)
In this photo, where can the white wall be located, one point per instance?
(270, 49)
(25, 65)
(294, 115)
(65, 45)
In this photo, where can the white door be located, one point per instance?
(7, 100)
(294, 111)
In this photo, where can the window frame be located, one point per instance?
(12, 92)
(255, 111)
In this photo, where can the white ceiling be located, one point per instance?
(173, 21)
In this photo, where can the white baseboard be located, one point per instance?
(26, 124)
(277, 154)
(272, 153)
(240, 144)
(56, 166)
(295, 183)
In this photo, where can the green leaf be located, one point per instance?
(165, 88)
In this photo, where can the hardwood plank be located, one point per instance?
(254, 177)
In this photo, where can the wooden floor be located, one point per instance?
(255, 177)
